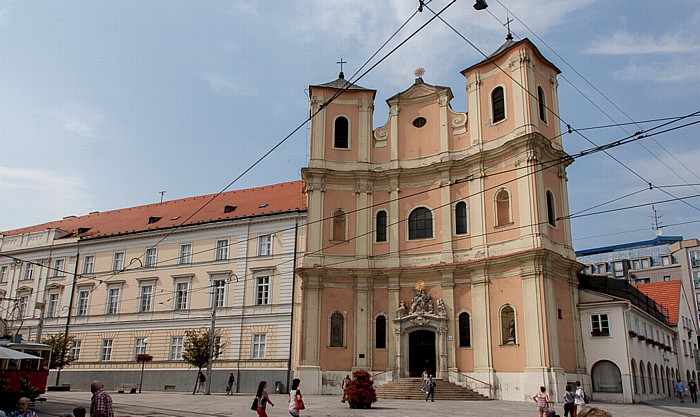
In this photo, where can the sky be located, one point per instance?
(104, 104)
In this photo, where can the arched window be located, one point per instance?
(606, 377)
(651, 378)
(461, 218)
(687, 376)
(502, 207)
(642, 382)
(633, 368)
(420, 224)
(542, 104)
(669, 381)
(508, 326)
(656, 379)
(551, 212)
(380, 230)
(465, 339)
(342, 133)
(380, 332)
(337, 329)
(339, 221)
(498, 105)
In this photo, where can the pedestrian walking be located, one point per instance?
(344, 386)
(23, 409)
(680, 389)
(542, 401)
(296, 403)
(230, 384)
(201, 379)
(101, 402)
(263, 399)
(430, 387)
(579, 398)
(424, 377)
(569, 401)
(693, 388)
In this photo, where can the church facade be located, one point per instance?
(436, 241)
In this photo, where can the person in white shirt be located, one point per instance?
(579, 398)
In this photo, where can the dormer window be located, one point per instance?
(229, 209)
(153, 219)
(341, 138)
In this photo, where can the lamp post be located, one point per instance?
(143, 358)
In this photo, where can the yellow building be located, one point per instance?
(138, 278)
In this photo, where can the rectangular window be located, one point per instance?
(185, 254)
(636, 264)
(52, 307)
(106, 353)
(58, 268)
(182, 290)
(264, 245)
(602, 268)
(88, 264)
(666, 260)
(218, 289)
(217, 347)
(139, 346)
(113, 300)
(618, 269)
(600, 325)
(645, 331)
(636, 326)
(29, 271)
(642, 280)
(646, 263)
(75, 350)
(176, 348)
(667, 278)
(696, 279)
(259, 345)
(3, 273)
(262, 290)
(694, 256)
(22, 305)
(118, 261)
(221, 250)
(145, 298)
(83, 299)
(151, 258)
(685, 349)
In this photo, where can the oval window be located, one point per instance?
(419, 122)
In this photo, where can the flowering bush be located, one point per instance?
(360, 391)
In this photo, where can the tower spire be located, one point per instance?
(341, 62)
(509, 36)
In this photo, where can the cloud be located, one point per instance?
(222, 84)
(624, 43)
(41, 195)
(660, 72)
(79, 121)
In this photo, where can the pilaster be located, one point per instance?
(481, 321)
(363, 322)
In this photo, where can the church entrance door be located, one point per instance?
(421, 352)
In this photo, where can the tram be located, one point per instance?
(24, 367)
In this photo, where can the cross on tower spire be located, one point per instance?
(341, 62)
(507, 24)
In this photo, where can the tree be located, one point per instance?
(60, 350)
(196, 349)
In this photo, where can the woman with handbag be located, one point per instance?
(263, 399)
(296, 403)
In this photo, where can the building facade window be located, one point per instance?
(694, 256)
(264, 245)
(602, 268)
(83, 300)
(380, 332)
(22, 305)
(498, 105)
(337, 329)
(185, 254)
(461, 218)
(551, 211)
(176, 343)
(118, 261)
(113, 300)
(88, 264)
(381, 227)
(151, 258)
(221, 250)
(341, 139)
(75, 349)
(600, 325)
(542, 104)
(182, 292)
(139, 346)
(3, 273)
(145, 298)
(262, 290)
(52, 305)
(420, 224)
(508, 326)
(665, 260)
(259, 345)
(465, 338)
(606, 377)
(218, 292)
(339, 226)
(29, 272)
(618, 269)
(106, 352)
(59, 266)
(503, 207)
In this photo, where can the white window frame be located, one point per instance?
(181, 303)
(118, 261)
(139, 346)
(106, 350)
(75, 349)
(618, 273)
(150, 258)
(185, 254)
(145, 300)
(694, 257)
(89, 264)
(263, 289)
(600, 322)
(29, 271)
(58, 267)
(53, 304)
(221, 252)
(3, 273)
(665, 260)
(259, 346)
(82, 307)
(218, 296)
(176, 345)
(113, 298)
(22, 305)
(265, 245)
(646, 263)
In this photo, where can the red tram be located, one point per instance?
(23, 365)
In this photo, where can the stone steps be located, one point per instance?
(410, 389)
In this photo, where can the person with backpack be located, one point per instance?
(263, 399)
(430, 386)
(579, 398)
(542, 401)
(569, 402)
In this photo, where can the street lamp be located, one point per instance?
(143, 358)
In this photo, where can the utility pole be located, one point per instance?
(212, 329)
(41, 306)
(70, 304)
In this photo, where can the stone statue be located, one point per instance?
(401, 312)
(441, 310)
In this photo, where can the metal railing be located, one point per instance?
(490, 387)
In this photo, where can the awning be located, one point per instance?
(6, 353)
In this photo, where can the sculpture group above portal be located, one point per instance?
(421, 304)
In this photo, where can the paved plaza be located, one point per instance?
(169, 404)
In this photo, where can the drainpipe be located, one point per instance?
(627, 347)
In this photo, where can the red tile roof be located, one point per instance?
(251, 202)
(668, 294)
